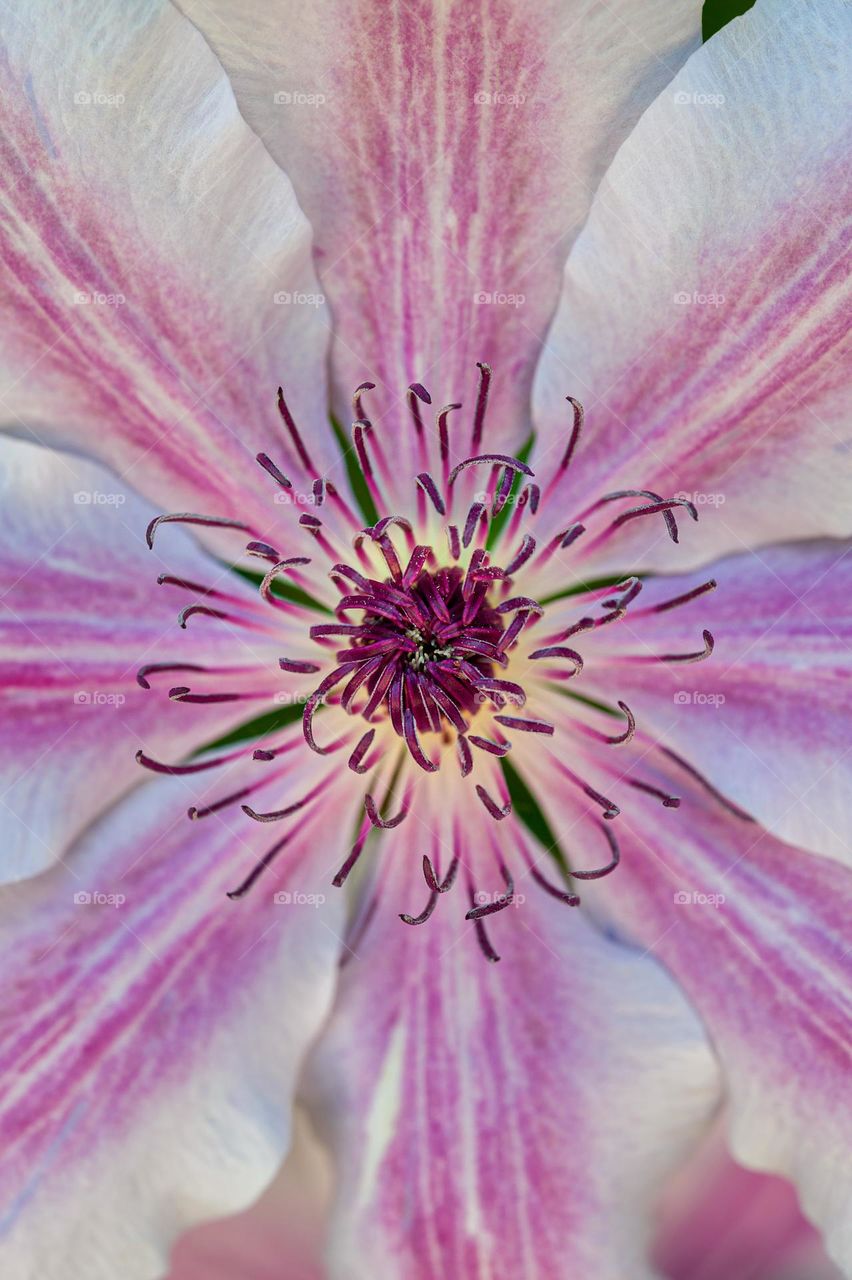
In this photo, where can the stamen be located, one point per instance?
(465, 756)
(187, 613)
(356, 402)
(276, 815)
(431, 876)
(313, 702)
(443, 433)
(481, 936)
(497, 813)
(476, 511)
(385, 824)
(357, 850)
(481, 404)
(676, 601)
(194, 814)
(676, 657)
(576, 429)
(501, 458)
(503, 490)
(559, 651)
(562, 895)
(610, 866)
(424, 914)
(525, 726)
(527, 548)
(669, 802)
(505, 689)
(304, 456)
(151, 667)
(416, 393)
(182, 693)
(261, 866)
(178, 770)
(610, 810)
(497, 904)
(298, 667)
(663, 505)
(262, 549)
(427, 484)
(621, 738)
(189, 517)
(487, 744)
(280, 567)
(277, 475)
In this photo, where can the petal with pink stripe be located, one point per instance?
(156, 277)
(446, 155)
(757, 934)
(766, 718)
(80, 613)
(705, 312)
(152, 1029)
(509, 1119)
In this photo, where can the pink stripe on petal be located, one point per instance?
(477, 1112)
(81, 613)
(705, 316)
(152, 1028)
(152, 280)
(756, 932)
(445, 155)
(766, 718)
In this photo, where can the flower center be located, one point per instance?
(419, 638)
(425, 648)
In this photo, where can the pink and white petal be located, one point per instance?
(766, 718)
(80, 613)
(756, 933)
(720, 1220)
(152, 1029)
(510, 1120)
(157, 275)
(287, 1222)
(446, 155)
(706, 306)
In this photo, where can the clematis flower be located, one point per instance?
(547, 660)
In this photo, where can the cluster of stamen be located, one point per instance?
(421, 645)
